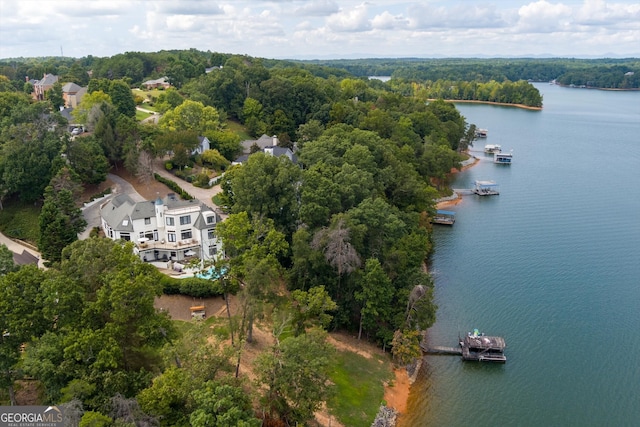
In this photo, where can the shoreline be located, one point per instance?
(502, 104)
(396, 395)
(451, 200)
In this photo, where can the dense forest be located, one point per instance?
(606, 73)
(338, 240)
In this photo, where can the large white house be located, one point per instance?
(164, 229)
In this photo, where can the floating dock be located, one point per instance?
(485, 188)
(475, 347)
(444, 217)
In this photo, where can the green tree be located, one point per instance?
(95, 419)
(122, 98)
(54, 96)
(253, 247)
(267, 186)
(21, 319)
(87, 159)
(107, 332)
(60, 221)
(81, 113)
(310, 308)
(295, 377)
(191, 116)
(374, 297)
(226, 142)
(406, 346)
(222, 405)
(214, 159)
(27, 161)
(6, 260)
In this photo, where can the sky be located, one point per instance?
(323, 29)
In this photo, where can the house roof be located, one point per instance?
(121, 210)
(47, 80)
(24, 258)
(263, 142)
(71, 88)
(160, 81)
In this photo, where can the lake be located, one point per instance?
(552, 264)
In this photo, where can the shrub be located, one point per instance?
(173, 186)
(199, 288)
(168, 166)
(201, 180)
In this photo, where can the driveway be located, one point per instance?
(204, 195)
(91, 210)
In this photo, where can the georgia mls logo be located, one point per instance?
(31, 416)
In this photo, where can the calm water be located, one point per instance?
(552, 264)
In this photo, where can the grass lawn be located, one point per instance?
(359, 387)
(141, 115)
(20, 221)
(238, 129)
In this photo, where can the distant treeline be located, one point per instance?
(598, 73)
(520, 92)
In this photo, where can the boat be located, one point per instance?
(482, 133)
(502, 158)
(444, 217)
(485, 188)
(492, 148)
(477, 346)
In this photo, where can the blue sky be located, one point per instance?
(323, 28)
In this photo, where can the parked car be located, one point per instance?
(76, 131)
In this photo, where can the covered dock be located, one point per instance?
(444, 217)
(486, 188)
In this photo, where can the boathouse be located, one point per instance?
(482, 348)
(444, 217)
(485, 188)
(502, 158)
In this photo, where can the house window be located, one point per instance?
(210, 233)
(185, 234)
(211, 219)
(125, 236)
(170, 221)
(171, 237)
(147, 221)
(184, 220)
(213, 250)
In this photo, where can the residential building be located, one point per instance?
(72, 94)
(166, 229)
(266, 144)
(204, 145)
(43, 85)
(154, 84)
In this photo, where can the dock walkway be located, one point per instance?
(443, 350)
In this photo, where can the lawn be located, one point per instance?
(20, 221)
(359, 388)
(238, 129)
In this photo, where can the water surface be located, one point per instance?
(552, 264)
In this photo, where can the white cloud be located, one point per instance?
(317, 8)
(322, 28)
(355, 19)
(543, 16)
(387, 21)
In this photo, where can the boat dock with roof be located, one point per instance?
(444, 217)
(485, 188)
(476, 347)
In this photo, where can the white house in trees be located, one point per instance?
(164, 229)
